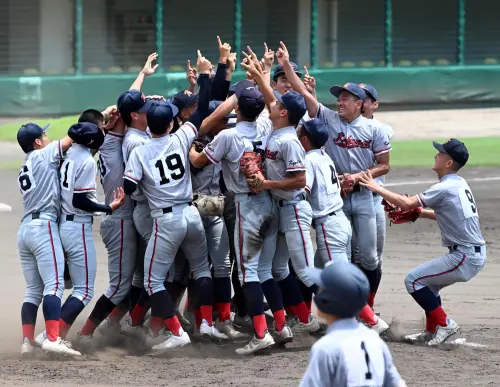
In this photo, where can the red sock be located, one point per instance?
(197, 317)
(260, 325)
(224, 309)
(155, 324)
(368, 315)
(302, 312)
(137, 315)
(206, 314)
(173, 325)
(308, 304)
(52, 329)
(371, 299)
(430, 324)
(64, 327)
(279, 319)
(88, 328)
(439, 316)
(117, 314)
(29, 332)
(290, 310)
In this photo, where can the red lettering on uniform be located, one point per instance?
(348, 142)
(270, 155)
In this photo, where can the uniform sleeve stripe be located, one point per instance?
(382, 150)
(308, 188)
(192, 127)
(420, 198)
(211, 158)
(85, 189)
(130, 178)
(115, 134)
(296, 168)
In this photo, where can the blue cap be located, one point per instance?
(344, 289)
(184, 99)
(85, 133)
(28, 133)
(133, 101)
(317, 130)
(160, 115)
(250, 100)
(352, 88)
(278, 70)
(295, 103)
(455, 149)
(370, 91)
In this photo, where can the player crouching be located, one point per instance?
(453, 207)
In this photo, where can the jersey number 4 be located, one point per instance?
(171, 167)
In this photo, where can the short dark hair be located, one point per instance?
(456, 166)
(292, 119)
(127, 119)
(93, 116)
(158, 127)
(304, 132)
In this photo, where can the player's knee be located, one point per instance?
(409, 280)
(369, 261)
(280, 273)
(35, 299)
(265, 274)
(303, 277)
(222, 271)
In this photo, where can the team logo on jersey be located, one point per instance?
(270, 154)
(350, 143)
(292, 163)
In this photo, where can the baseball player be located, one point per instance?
(117, 229)
(370, 106)
(453, 206)
(161, 167)
(38, 241)
(256, 228)
(349, 354)
(286, 180)
(78, 205)
(353, 144)
(333, 230)
(280, 81)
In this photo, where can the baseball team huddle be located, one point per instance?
(215, 191)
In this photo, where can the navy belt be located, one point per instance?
(71, 218)
(333, 213)
(477, 249)
(282, 202)
(168, 210)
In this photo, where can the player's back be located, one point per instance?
(134, 138)
(78, 174)
(38, 180)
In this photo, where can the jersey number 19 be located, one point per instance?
(170, 169)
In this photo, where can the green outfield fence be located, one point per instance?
(58, 57)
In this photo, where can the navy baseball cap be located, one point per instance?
(28, 133)
(184, 99)
(344, 289)
(278, 70)
(370, 91)
(455, 149)
(84, 132)
(160, 115)
(352, 88)
(317, 130)
(250, 100)
(133, 101)
(294, 103)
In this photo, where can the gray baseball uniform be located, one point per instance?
(256, 228)
(285, 155)
(117, 230)
(458, 219)
(162, 168)
(350, 355)
(333, 230)
(78, 174)
(38, 241)
(206, 181)
(352, 147)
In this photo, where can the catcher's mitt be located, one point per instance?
(209, 205)
(399, 216)
(346, 185)
(251, 166)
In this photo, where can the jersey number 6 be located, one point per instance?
(174, 165)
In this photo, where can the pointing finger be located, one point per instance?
(218, 40)
(307, 72)
(199, 54)
(283, 46)
(189, 64)
(266, 50)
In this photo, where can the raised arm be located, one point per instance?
(254, 71)
(220, 85)
(201, 111)
(148, 70)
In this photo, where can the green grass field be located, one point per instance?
(413, 153)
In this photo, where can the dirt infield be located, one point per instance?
(474, 305)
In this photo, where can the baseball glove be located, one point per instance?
(346, 185)
(199, 144)
(209, 205)
(251, 166)
(399, 216)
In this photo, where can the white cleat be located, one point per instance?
(421, 337)
(256, 345)
(310, 327)
(227, 328)
(60, 347)
(381, 326)
(444, 333)
(40, 339)
(171, 341)
(27, 348)
(211, 332)
(242, 322)
(291, 320)
(129, 330)
(284, 336)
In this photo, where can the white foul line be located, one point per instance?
(495, 178)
